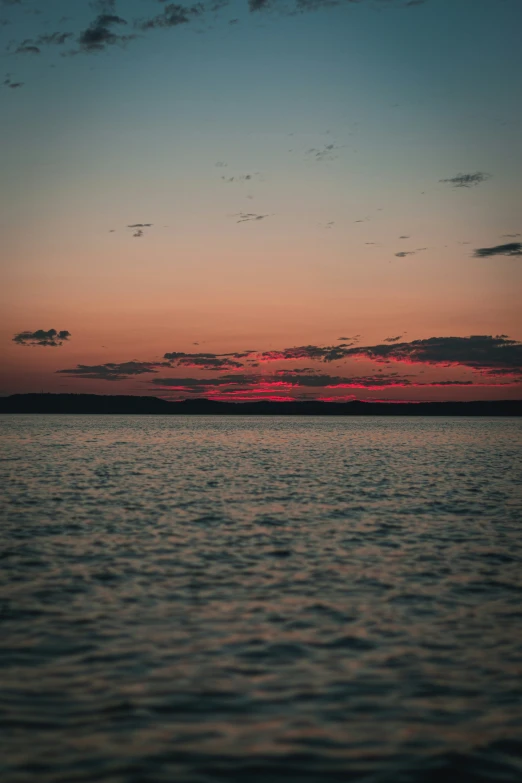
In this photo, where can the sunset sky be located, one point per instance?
(264, 200)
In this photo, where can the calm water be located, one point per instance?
(251, 600)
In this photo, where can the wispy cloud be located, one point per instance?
(112, 371)
(404, 253)
(467, 180)
(172, 16)
(8, 82)
(240, 178)
(27, 47)
(326, 152)
(207, 361)
(245, 217)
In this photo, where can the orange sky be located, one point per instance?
(306, 177)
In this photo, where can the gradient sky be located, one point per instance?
(316, 174)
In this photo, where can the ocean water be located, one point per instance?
(260, 599)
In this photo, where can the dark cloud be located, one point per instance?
(489, 355)
(112, 371)
(203, 383)
(206, 361)
(330, 353)
(511, 249)
(467, 180)
(138, 233)
(269, 383)
(493, 357)
(100, 34)
(49, 339)
(172, 16)
(480, 352)
(140, 225)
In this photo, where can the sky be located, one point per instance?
(242, 200)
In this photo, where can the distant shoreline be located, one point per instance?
(87, 404)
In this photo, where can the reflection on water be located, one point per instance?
(276, 599)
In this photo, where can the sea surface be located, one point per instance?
(204, 600)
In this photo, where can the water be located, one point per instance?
(276, 599)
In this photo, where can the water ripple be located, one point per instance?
(220, 600)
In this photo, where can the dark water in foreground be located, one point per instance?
(214, 599)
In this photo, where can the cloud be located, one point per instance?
(26, 47)
(49, 339)
(203, 383)
(511, 236)
(206, 361)
(172, 16)
(32, 45)
(245, 217)
(289, 383)
(112, 371)
(511, 249)
(304, 6)
(329, 353)
(480, 352)
(8, 82)
(53, 39)
(327, 152)
(103, 6)
(240, 178)
(259, 5)
(405, 253)
(496, 357)
(467, 180)
(138, 229)
(99, 34)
